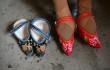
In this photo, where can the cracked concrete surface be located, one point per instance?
(83, 56)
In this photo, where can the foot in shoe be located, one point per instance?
(64, 27)
(86, 23)
(65, 30)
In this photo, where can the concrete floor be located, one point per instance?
(83, 56)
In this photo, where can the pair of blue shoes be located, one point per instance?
(32, 35)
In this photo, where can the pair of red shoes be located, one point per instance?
(91, 39)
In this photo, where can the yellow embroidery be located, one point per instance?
(34, 44)
(85, 38)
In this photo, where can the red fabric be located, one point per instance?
(66, 44)
(92, 39)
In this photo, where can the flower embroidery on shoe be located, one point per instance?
(40, 47)
(93, 41)
(29, 46)
(67, 47)
(26, 47)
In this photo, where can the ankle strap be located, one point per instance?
(18, 26)
(83, 15)
(66, 18)
(40, 31)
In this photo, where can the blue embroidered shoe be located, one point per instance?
(21, 32)
(40, 33)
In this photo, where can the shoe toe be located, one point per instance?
(98, 45)
(68, 53)
(40, 54)
(67, 48)
(29, 52)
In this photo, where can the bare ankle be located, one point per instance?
(63, 12)
(84, 6)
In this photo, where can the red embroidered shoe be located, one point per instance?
(92, 39)
(66, 44)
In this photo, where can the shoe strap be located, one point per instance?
(40, 31)
(83, 15)
(66, 18)
(17, 27)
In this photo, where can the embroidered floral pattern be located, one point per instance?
(40, 48)
(67, 47)
(92, 41)
(27, 46)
